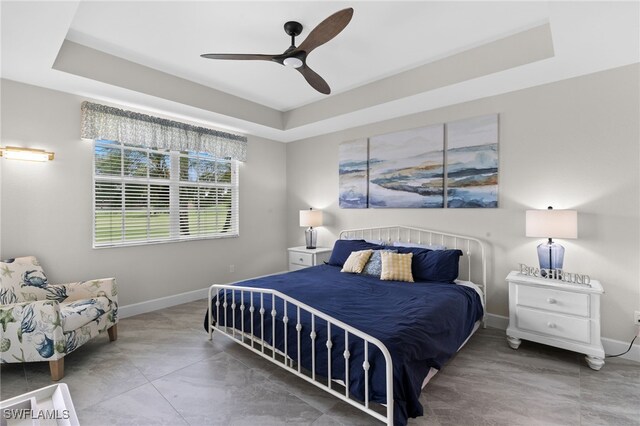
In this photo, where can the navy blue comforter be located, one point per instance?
(422, 325)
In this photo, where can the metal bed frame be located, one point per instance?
(257, 344)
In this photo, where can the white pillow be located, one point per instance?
(378, 242)
(424, 246)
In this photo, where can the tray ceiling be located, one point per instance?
(394, 58)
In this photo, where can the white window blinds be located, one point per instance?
(145, 195)
(159, 180)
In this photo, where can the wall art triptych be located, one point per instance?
(416, 168)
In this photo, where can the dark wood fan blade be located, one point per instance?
(238, 56)
(326, 30)
(314, 80)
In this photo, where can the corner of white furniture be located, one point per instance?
(48, 405)
(302, 257)
(556, 313)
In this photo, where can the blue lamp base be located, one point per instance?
(550, 255)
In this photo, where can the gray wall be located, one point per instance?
(571, 144)
(47, 209)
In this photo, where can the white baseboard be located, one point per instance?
(162, 302)
(168, 301)
(611, 346)
(497, 321)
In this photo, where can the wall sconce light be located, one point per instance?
(27, 154)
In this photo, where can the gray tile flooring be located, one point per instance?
(163, 370)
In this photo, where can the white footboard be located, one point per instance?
(241, 299)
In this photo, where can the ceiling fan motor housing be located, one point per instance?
(293, 28)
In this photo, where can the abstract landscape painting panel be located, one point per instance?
(406, 169)
(353, 174)
(472, 162)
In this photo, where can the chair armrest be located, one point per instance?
(31, 331)
(71, 292)
(28, 313)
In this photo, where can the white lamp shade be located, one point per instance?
(311, 218)
(552, 223)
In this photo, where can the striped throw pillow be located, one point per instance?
(396, 266)
(356, 261)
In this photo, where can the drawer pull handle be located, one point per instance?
(300, 259)
(551, 300)
(551, 325)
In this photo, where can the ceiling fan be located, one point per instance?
(296, 57)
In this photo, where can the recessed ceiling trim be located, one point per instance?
(90, 63)
(32, 33)
(519, 49)
(523, 48)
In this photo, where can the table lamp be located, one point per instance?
(551, 224)
(310, 218)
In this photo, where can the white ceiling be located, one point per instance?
(382, 40)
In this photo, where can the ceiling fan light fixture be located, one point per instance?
(293, 62)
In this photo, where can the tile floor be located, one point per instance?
(163, 370)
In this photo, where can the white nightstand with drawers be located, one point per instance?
(302, 257)
(554, 313)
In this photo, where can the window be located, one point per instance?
(146, 195)
(163, 180)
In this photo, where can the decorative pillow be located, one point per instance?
(436, 265)
(424, 246)
(396, 267)
(419, 255)
(374, 265)
(343, 248)
(356, 261)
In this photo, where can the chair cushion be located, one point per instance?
(22, 280)
(81, 312)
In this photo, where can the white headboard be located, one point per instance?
(473, 265)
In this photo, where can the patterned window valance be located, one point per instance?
(132, 128)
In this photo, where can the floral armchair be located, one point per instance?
(44, 322)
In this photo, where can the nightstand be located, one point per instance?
(554, 313)
(302, 257)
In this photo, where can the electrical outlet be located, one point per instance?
(636, 317)
(232, 268)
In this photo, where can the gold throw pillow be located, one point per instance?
(356, 261)
(396, 266)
